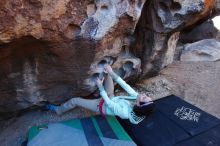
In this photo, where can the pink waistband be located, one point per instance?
(101, 103)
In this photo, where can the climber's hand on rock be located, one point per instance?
(99, 81)
(108, 68)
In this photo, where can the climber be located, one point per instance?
(109, 104)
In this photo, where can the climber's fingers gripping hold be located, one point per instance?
(108, 68)
(99, 81)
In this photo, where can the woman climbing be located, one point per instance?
(109, 104)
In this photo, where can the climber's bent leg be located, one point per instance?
(90, 104)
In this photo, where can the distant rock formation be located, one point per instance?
(204, 50)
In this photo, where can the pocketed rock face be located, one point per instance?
(157, 30)
(50, 49)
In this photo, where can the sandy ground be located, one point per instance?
(197, 83)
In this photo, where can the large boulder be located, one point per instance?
(204, 50)
(157, 31)
(51, 50)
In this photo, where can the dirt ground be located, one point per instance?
(197, 83)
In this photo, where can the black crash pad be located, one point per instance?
(209, 138)
(156, 130)
(173, 121)
(190, 118)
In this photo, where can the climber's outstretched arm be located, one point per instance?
(103, 93)
(121, 82)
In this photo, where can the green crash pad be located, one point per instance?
(92, 131)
